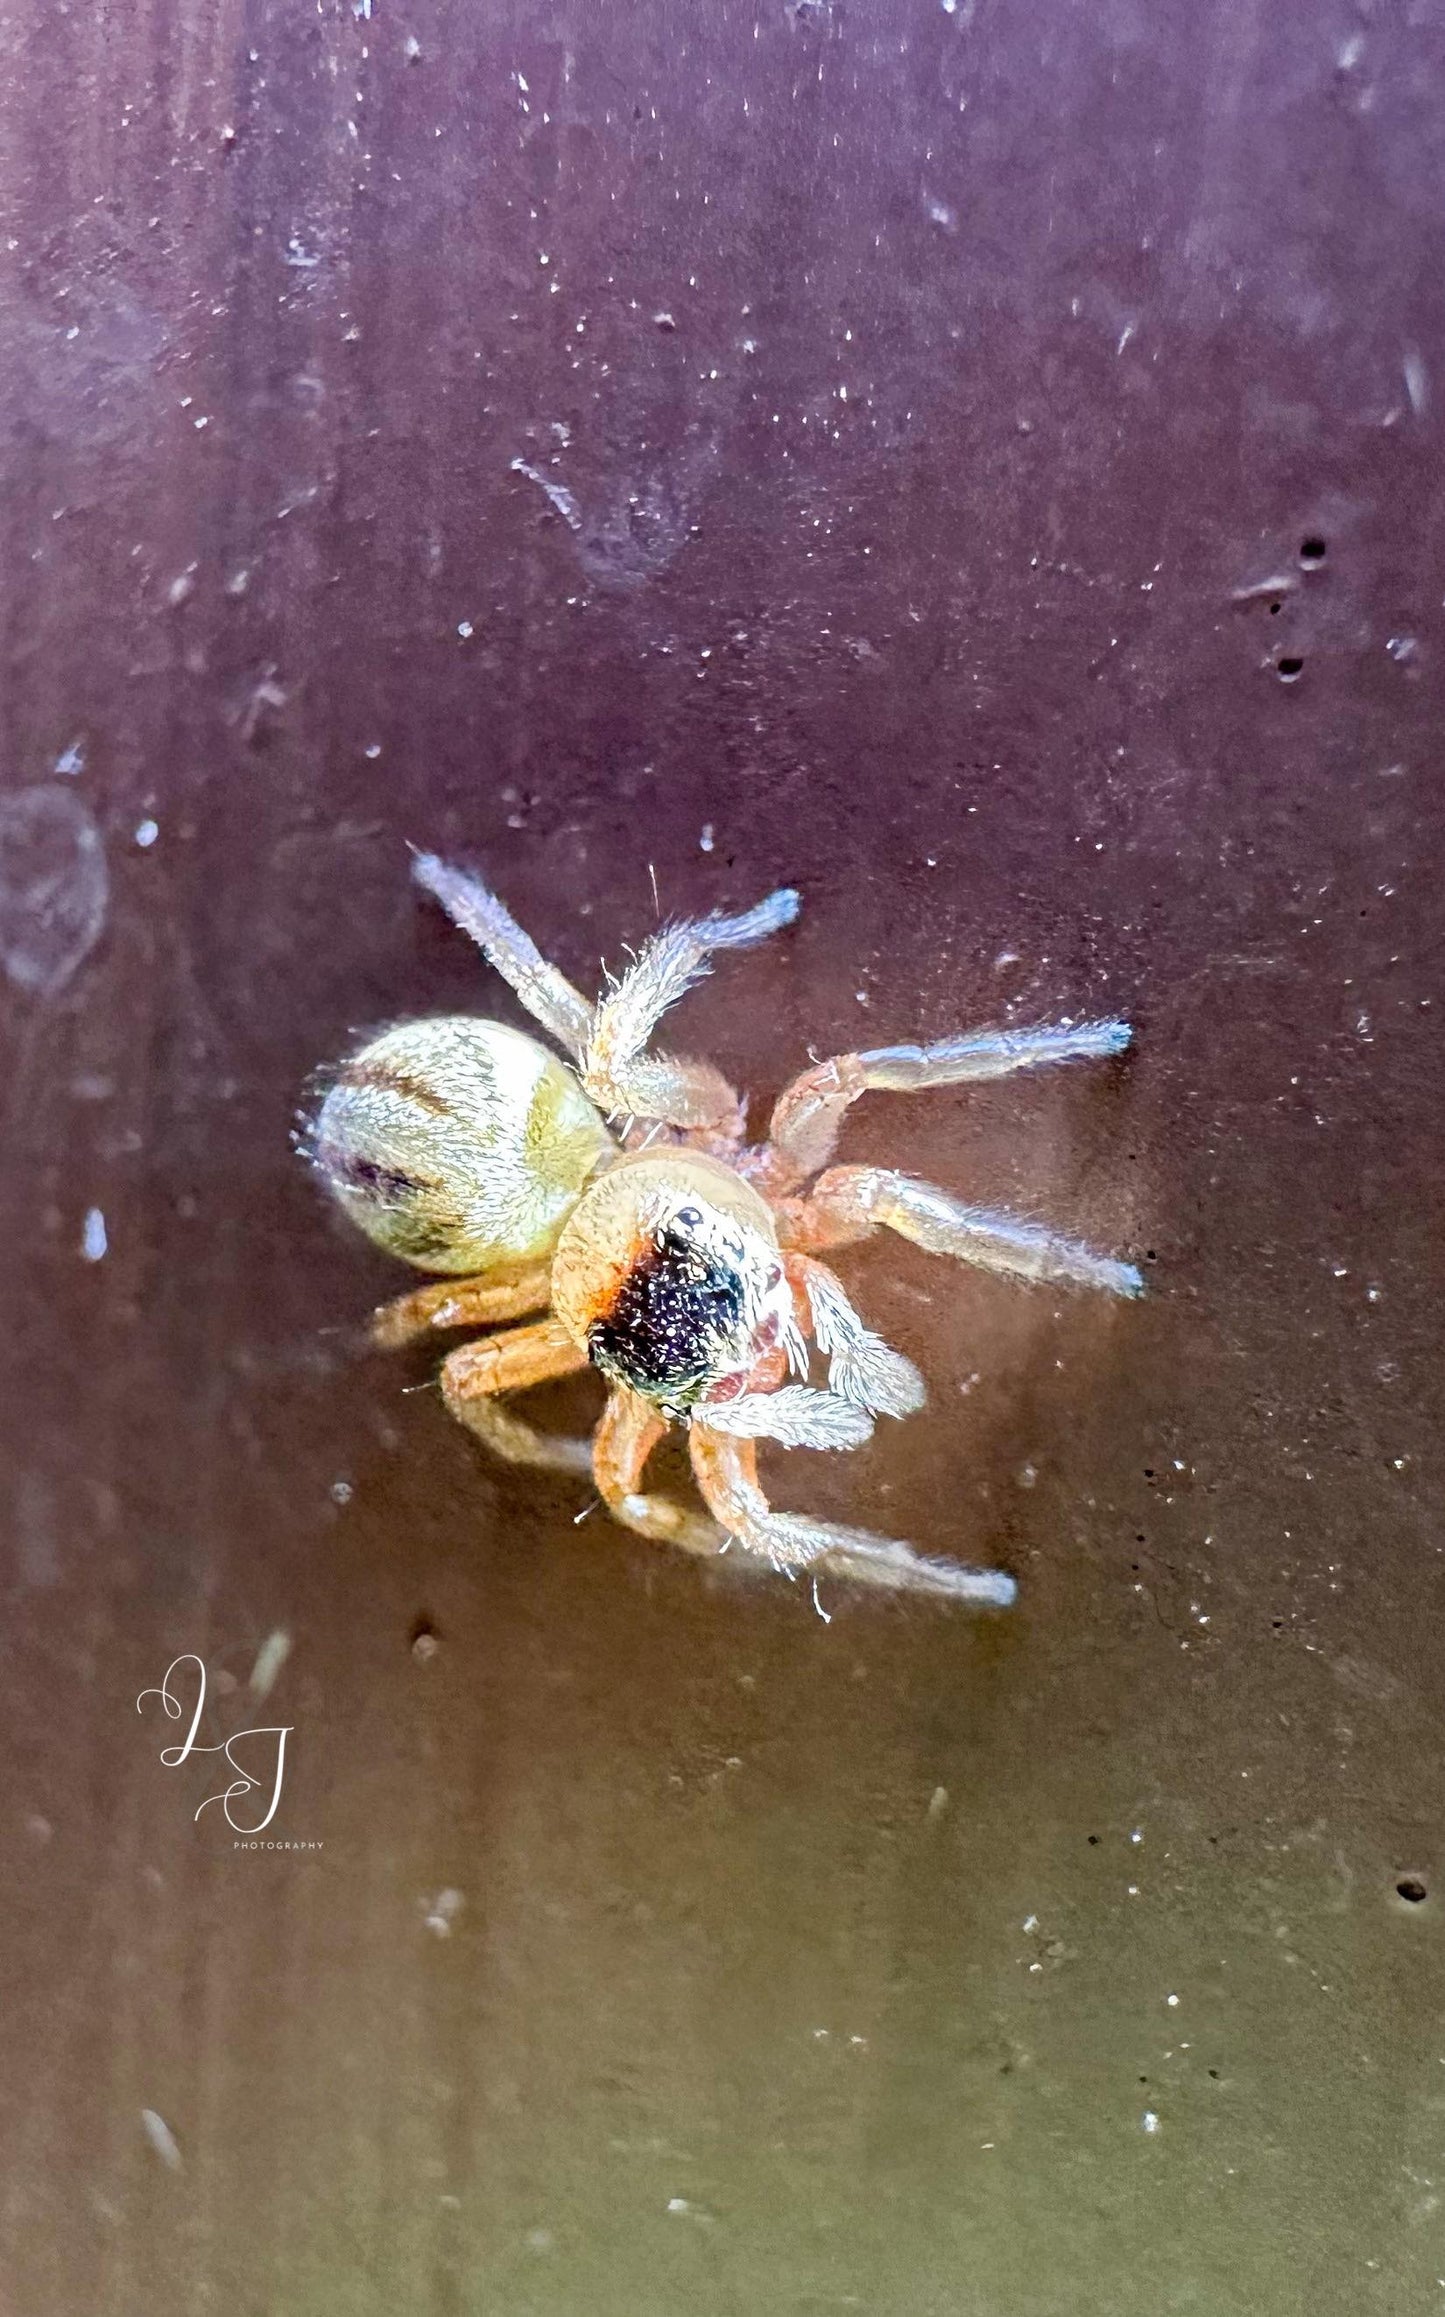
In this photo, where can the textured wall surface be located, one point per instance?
(980, 463)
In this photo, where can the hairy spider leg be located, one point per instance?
(796, 1416)
(861, 1366)
(474, 1374)
(547, 994)
(727, 1474)
(617, 1071)
(848, 1203)
(803, 1132)
(629, 1431)
(473, 1302)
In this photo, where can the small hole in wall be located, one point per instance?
(1412, 1890)
(1289, 667)
(1312, 551)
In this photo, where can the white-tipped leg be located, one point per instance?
(861, 1366)
(727, 1475)
(618, 1072)
(804, 1127)
(547, 995)
(850, 1201)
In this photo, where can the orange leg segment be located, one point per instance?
(474, 1302)
(474, 1374)
(629, 1431)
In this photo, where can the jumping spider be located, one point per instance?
(619, 1197)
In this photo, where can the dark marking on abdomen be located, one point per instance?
(390, 1078)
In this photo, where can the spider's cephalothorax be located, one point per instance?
(669, 1272)
(619, 1198)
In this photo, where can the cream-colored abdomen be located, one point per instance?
(460, 1145)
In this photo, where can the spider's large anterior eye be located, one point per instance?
(691, 1216)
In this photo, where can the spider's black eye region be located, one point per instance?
(691, 1217)
(671, 1323)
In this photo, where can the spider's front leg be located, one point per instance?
(848, 1203)
(803, 1133)
(629, 1431)
(474, 1375)
(727, 1474)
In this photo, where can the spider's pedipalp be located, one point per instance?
(793, 1415)
(546, 993)
(862, 1367)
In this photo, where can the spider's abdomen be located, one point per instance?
(460, 1145)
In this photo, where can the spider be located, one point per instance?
(619, 1198)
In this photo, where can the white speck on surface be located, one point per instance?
(1417, 382)
(1172, 2001)
(1149, 2122)
(411, 48)
(93, 1241)
(372, 750)
(678, 2204)
(71, 759)
(442, 1912)
(146, 833)
(341, 1492)
(182, 587)
(161, 2138)
(270, 1658)
(464, 629)
(938, 1802)
(705, 841)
